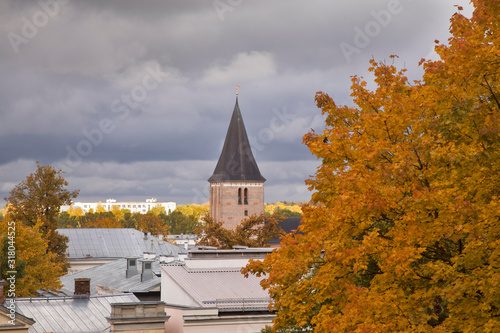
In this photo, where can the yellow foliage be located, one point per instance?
(153, 224)
(157, 210)
(404, 235)
(277, 206)
(193, 210)
(78, 211)
(102, 222)
(42, 269)
(100, 208)
(117, 212)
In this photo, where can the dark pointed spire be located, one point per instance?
(236, 161)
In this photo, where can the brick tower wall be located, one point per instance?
(225, 205)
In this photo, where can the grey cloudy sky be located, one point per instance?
(132, 99)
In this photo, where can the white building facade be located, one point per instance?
(133, 206)
(208, 293)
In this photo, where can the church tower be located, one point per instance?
(236, 186)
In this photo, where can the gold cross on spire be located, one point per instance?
(237, 87)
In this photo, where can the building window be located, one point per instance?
(245, 197)
(246, 212)
(239, 196)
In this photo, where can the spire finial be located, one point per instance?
(237, 87)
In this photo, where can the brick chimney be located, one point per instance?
(82, 286)
(2, 283)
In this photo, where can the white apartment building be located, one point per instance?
(133, 206)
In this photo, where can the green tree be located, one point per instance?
(180, 223)
(286, 212)
(39, 198)
(130, 220)
(405, 232)
(65, 220)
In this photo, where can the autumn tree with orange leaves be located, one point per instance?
(152, 223)
(35, 268)
(254, 231)
(101, 221)
(404, 233)
(38, 199)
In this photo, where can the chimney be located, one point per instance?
(2, 283)
(148, 255)
(147, 270)
(131, 267)
(82, 286)
(133, 316)
(166, 258)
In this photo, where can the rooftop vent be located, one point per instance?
(131, 267)
(147, 270)
(82, 286)
(148, 255)
(166, 258)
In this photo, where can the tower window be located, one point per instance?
(239, 196)
(245, 197)
(246, 212)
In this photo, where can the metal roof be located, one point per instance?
(236, 161)
(112, 275)
(222, 287)
(288, 225)
(113, 243)
(71, 314)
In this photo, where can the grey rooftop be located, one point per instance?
(114, 243)
(71, 314)
(112, 276)
(222, 287)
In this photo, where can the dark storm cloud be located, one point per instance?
(133, 98)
